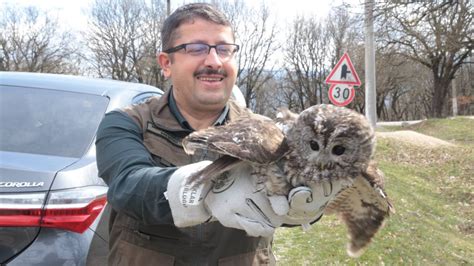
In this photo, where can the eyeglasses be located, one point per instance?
(225, 50)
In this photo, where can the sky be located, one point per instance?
(72, 12)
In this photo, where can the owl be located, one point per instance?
(322, 143)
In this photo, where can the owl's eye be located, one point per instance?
(338, 150)
(314, 145)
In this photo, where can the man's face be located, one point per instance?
(200, 82)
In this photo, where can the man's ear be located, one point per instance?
(165, 62)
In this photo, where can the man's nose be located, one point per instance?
(213, 59)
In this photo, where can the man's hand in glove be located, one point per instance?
(235, 202)
(307, 204)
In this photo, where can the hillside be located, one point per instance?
(429, 169)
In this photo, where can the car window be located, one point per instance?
(49, 122)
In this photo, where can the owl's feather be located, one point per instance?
(363, 207)
(321, 143)
(328, 142)
(255, 139)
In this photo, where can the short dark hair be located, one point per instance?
(188, 13)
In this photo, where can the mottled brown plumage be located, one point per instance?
(363, 207)
(324, 142)
(256, 140)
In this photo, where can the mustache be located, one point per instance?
(210, 71)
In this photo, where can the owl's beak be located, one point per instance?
(325, 166)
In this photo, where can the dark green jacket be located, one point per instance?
(138, 148)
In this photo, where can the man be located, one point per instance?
(156, 219)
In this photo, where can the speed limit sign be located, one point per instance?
(341, 94)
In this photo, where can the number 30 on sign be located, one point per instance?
(341, 94)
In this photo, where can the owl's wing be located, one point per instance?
(363, 207)
(254, 139)
(213, 170)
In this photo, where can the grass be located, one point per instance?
(432, 190)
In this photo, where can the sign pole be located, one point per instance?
(370, 89)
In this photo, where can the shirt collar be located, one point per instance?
(182, 121)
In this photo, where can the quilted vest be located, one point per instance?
(133, 243)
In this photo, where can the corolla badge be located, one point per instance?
(21, 184)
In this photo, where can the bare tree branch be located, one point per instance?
(32, 41)
(123, 38)
(437, 35)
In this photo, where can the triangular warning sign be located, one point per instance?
(344, 73)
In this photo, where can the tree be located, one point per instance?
(402, 87)
(123, 38)
(465, 87)
(305, 55)
(256, 35)
(154, 18)
(343, 31)
(32, 41)
(436, 34)
(313, 49)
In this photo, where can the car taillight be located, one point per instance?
(21, 209)
(71, 209)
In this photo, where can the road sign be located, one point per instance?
(341, 94)
(344, 73)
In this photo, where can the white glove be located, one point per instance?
(311, 201)
(235, 201)
(187, 201)
(307, 204)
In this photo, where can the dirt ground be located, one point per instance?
(414, 138)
